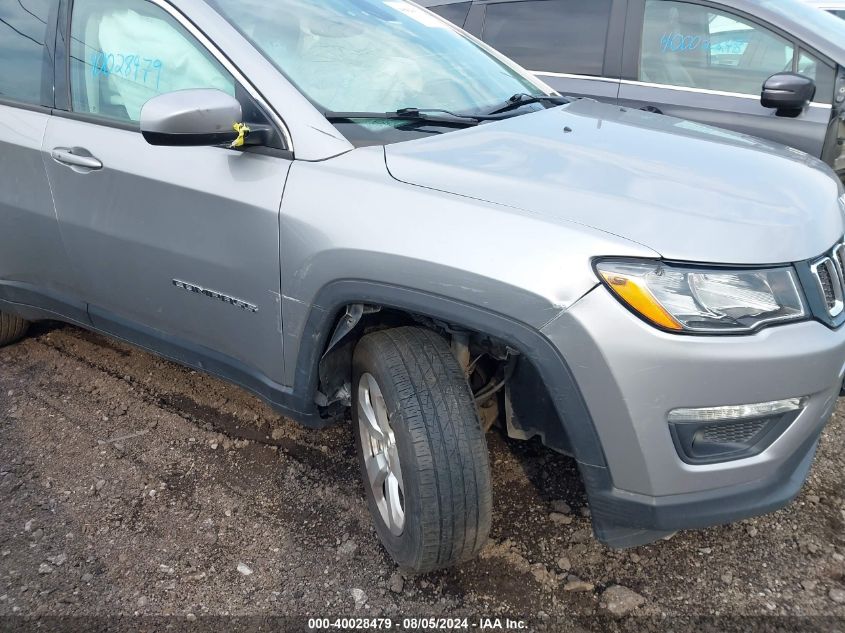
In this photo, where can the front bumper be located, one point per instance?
(623, 519)
(631, 375)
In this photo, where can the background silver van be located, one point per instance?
(836, 7)
(699, 60)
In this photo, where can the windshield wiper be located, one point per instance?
(445, 117)
(520, 99)
(412, 114)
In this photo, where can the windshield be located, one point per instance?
(376, 56)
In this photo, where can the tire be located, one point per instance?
(12, 328)
(433, 454)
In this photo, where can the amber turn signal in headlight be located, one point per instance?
(638, 297)
(705, 300)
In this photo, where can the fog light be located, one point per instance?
(707, 435)
(738, 412)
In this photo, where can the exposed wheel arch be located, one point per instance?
(333, 300)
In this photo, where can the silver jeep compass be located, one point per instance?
(349, 206)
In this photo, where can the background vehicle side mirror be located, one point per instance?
(788, 93)
(186, 118)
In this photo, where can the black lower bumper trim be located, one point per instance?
(623, 519)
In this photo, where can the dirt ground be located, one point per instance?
(130, 485)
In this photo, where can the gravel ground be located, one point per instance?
(130, 485)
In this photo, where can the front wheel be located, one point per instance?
(12, 328)
(421, 449)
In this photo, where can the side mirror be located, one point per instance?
(186, 118)
(788, 92)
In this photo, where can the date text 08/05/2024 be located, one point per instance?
(413, 624)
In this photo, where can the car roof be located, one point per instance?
(825, 4)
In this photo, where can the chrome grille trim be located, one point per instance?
(829, 273)
(839, 258)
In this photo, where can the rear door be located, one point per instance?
(33, 262)
(702, 62)
(575, 46)
(179, 244)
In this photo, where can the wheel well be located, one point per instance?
(335, 365)
(506, 385)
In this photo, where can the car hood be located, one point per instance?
(687, 191)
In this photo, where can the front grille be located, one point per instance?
(741, 432)
(829, 272)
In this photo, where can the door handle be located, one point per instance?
(652, 109)
(75, 157)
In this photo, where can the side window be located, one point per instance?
(695, 46)
(565, 36)
(822, 73)
(124, 52)
(455, 13)
(25, 64)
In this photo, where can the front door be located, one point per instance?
(180, 241)
(705, 64)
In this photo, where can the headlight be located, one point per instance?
(690, 299)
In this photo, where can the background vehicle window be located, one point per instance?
(822, 73)
(565, 36)
(697, 47)
(25, 65)
(124, 52)
(455, 13)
